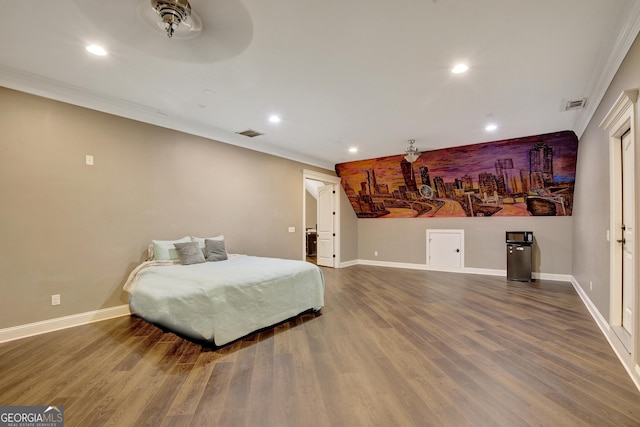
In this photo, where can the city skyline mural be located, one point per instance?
(530, 176)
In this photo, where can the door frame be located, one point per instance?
(328, 180)
(621, 118)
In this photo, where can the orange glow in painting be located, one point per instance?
(532, 176)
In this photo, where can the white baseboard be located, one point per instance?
(615, 343)
(467, 270)
(37, 328)
(348, 263)
(391, 264)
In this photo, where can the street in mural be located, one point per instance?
(516, 177)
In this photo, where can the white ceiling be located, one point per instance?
(365, 73)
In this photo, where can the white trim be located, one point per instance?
(392, 264)
(595, 313)
(48, 88)
(348, 263)
(485, 271)
(319, 176)
(615, 343)
(622, 117)
(329, 180)
(50, 325)
(598, 85)
(464, 270)
(552, 276)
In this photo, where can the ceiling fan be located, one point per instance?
(198, 31)
(173, 17)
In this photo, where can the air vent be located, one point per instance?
(250, 133)
(575, 104)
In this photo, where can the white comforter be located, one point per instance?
(225, 300)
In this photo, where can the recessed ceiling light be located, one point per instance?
(353, 150)
(460, 68)
(274, 119)
(96, 50)
(491, 127)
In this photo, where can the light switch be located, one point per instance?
(88, 160)
(292, 229)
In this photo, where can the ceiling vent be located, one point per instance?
(577, 104)
(250, 133)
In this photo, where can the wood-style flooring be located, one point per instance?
(392, 347)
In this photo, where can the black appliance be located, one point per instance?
(519, 255)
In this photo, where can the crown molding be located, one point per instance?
(48, 88)
(629, 29)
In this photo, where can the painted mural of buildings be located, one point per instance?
(525, 176)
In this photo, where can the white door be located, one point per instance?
(628, 244)
(445, 249)
(325, 226)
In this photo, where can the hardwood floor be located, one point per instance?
(392, 347)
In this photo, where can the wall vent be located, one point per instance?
(576, 104)
(250, 133)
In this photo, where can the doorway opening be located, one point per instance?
(321, 219)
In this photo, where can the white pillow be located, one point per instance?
(164, 249)
(201, 240)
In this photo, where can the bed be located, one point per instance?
(223, 300)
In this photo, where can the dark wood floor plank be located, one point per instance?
(391, 347)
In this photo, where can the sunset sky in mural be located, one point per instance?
(471, 160)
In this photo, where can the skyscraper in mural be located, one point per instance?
(424, 175)
(541, 165)
(520, 177)
(408, 174)
(371, 181)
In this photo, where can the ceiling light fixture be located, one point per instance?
(172, 12)
(491, 127)
(274, 119)
(353, 150)
(460, 68)
(96, 50)
(411, 153)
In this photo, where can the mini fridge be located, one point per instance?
(519, 255)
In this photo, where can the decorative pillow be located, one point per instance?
(164, 249)
(214, 250)
(201, 240)
(189, 253)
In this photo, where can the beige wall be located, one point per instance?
(311, 211)
(591, 202)
(78, 230)
(348, 229)
(404, 240)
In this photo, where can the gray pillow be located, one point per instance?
(189, 253)
(214, 250)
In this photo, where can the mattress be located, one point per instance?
(225, 300)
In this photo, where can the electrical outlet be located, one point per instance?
(88, 160)
(375, 253)
(55, 299)
(292, 229)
